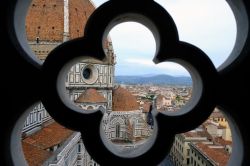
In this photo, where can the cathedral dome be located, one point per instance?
(123, 100)
(46, 19)
(90, 96)
(49, 23)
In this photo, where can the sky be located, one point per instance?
(207, 24)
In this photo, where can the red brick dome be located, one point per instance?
(45, 23)
(123, 100)
(45, 19)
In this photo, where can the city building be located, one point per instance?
(204, 146)
(221, 121)
(208, 155)
(163, 103)
(180, 151)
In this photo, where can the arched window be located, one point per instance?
(117, 130)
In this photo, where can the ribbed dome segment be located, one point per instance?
(53, 22)
(90, 96)
(123, 100)
(45, 19)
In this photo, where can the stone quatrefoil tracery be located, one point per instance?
(227, 88)
(169, 48)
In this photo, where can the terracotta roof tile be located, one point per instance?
(34, 155)
(49, 136)
(221, 141)
(202, 133)
(191, 134)
(205, 133)
(90, 96)
(123, 100)
(219, 155)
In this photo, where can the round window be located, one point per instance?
(90, 74)
(86, 73)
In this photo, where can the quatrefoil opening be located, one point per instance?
(169, 48)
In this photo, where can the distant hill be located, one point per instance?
(154, 79)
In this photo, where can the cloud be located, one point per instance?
(97, 3)
(133, 36)
(207, 24)
(164, 67)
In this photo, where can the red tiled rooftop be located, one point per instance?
(49, 136)
(190, 134)
(34, 155)
(90, 96)
(203, 133)
(194, 134)
(123, 100)
(217, 154)
(221, 141)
